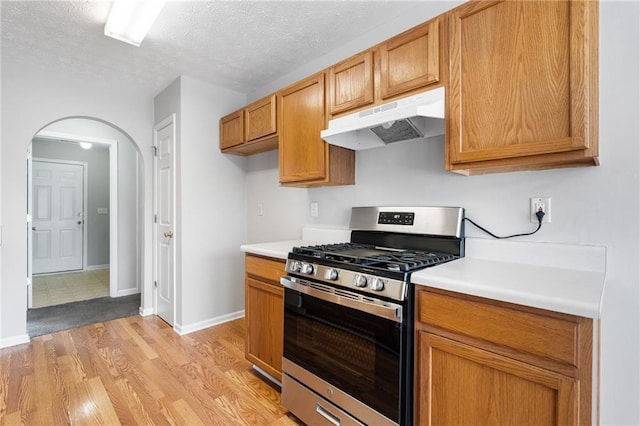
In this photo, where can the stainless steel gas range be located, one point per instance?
(348, 327)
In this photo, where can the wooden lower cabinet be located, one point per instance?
(264, 310)
(467, 385)
(485, 362)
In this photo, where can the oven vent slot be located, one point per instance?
(319, 287)
(346, 294)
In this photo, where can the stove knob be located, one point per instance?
(296, 266)
(360, 281)
(377, 284)
(306, 268)
(331, 274)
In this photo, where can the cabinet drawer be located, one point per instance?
(265, 268)
(544, 336)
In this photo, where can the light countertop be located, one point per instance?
(311, 235)
(277, 249)
(558, 277)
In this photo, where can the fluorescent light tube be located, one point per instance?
(130, 20)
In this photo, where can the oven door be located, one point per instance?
(336, 344)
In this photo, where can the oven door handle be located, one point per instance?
(381, 309)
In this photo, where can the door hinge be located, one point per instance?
(28, 218)
(155, 218)
(155, 283)
(28, 281)
(28, 155)
(155, 150)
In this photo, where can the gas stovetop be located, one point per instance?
(387, 245)
(373, 257)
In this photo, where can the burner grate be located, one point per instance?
(375, 257)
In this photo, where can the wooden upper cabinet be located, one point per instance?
(260, 118)
(302, 151)
(232, 130)
(410, 60)
(522, 85)
(252, 129)
(305, 159)
(350, 83)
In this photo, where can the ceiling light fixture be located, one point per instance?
(86, 145)
(130, 20)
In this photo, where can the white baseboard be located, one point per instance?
(145, 312)
(13, 341)
(186, 329)
(96, 267)
(127, 292)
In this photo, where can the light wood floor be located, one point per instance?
(136, 370)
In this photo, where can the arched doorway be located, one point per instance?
(110, 219)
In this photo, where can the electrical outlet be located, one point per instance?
(540, 204)
(313, 209)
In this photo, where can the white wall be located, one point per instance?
(596, 205)
(210, 197)
(31, 99)
(213, 205)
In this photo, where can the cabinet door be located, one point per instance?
(264, 313)
(232, 130)
(303, 154)
(463, 385)
(351, 83)
(521, 79)
(260, 118)
(410, 60)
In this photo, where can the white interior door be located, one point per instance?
(57, 227)
(164, 250)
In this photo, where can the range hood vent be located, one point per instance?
(414, 117)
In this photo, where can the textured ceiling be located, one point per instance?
(241, 45)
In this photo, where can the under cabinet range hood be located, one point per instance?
(413, 117)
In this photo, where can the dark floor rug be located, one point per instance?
(71, 315)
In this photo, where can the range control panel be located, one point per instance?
(395, 218)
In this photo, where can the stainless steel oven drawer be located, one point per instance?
(311, 408)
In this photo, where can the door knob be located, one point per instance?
(33, 228)
(168, 234)
(79, 222)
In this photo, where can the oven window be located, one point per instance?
(356, 352)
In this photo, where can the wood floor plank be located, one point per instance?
(11, 419)
(185, 414)
(140, 343)
(135, 371)
(54, 392)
